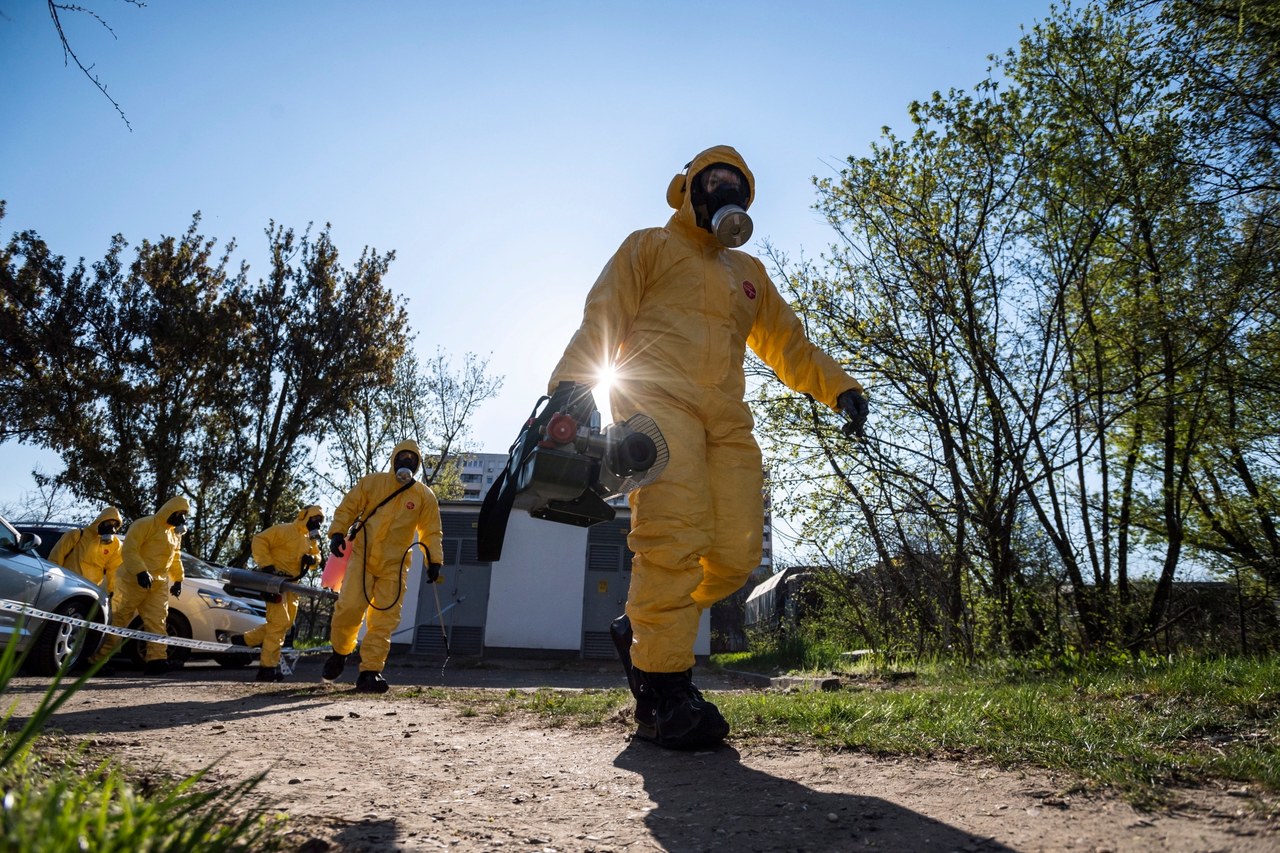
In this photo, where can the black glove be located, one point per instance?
(176, 589)
(855, 408)
(144, 580)
(433, 571)
(308, 560)
(337, 544)
(272, 597)
(268, 570)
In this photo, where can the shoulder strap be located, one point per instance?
(360, 523)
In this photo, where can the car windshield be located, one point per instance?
(194, 567)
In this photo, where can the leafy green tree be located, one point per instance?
(1058, 290)
(120, 367)
(319, 332)
(169, 374)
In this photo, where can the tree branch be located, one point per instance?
(67, 51)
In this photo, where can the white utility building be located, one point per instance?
(553, 593)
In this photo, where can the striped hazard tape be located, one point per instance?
(146, 636)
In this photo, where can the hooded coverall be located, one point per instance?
(672, 312)
(374, 585)
(84, 552)
(150, 546)
(282, 546)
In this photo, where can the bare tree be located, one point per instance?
(68, 53)
(52, 500)
(430, 403)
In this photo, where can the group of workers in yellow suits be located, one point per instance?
(670, 316)
(382, 519)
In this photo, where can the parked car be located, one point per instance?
(28, 578)
(204, 611)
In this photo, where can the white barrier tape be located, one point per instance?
(146, 636)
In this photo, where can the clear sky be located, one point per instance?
(502, 149)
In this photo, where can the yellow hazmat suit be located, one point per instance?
(282, 546)
(374, 586)
(673, 312)
(150, 546)
(83, 551)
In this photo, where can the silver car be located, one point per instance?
(28, 579)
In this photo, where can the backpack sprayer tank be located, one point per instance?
(563, 467)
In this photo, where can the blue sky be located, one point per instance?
(502, 149)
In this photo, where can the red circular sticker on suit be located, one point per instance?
(409, 505)
(749, 289)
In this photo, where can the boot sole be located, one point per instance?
(692, 744)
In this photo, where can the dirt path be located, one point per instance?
(415, 772)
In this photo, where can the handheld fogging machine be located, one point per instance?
(564, 467)
(267, 585)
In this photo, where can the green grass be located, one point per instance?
(55, 799)
(787, 655)
(1138, 728)
(50, 806)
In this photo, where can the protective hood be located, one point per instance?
(108, 514)
(678, 195)
(308, 511)
(410, 445)
(174, 504)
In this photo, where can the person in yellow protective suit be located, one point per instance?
(671, 315)
(150, 571)
(385, 513)
(291, 550)
(92, 552)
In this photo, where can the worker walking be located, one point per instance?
(671, 315)
(150, 571)
(290, 550)
(386, 515)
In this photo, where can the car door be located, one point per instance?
(20, 577)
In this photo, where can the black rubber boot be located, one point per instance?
(156, 667)
(333, 667)
(683, 719)
(371, 682)
(646, 701)
(237, 640)
(269, 673)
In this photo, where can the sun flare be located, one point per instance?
(604, 382)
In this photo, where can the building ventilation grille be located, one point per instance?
(603, 558)
(463, 640)
(597, 645)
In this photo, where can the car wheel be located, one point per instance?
(177, 626)
(59, 645)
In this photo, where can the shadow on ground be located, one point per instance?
(710, 800)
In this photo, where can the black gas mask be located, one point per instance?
(313, 527)
(179, 522)
(107, 531)
(406, 465)
(719, 195)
